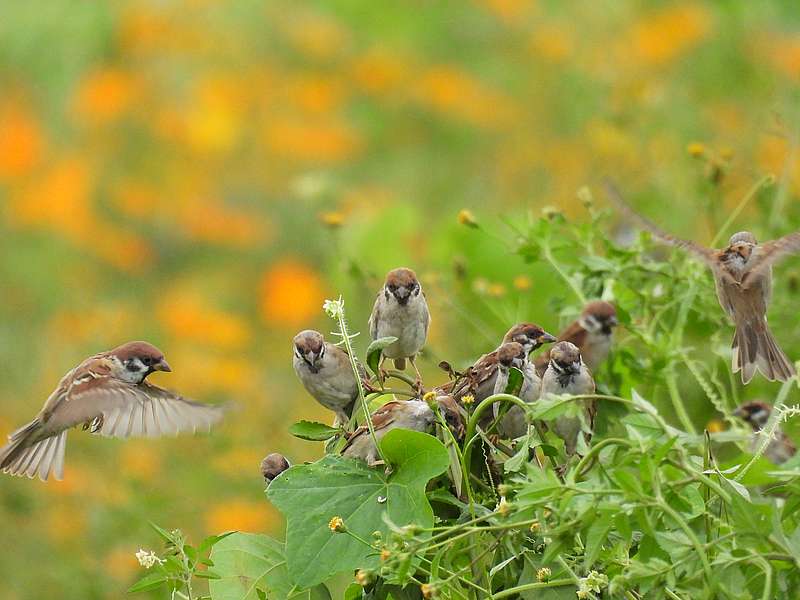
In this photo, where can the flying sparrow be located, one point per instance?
(592, 333)
(743, 277)
(405, 414)
(567, 374)
(756, 414)
(273, 465)
(109, 395)
(401, 311)
(325, 371)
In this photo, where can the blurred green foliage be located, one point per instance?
(204, 174)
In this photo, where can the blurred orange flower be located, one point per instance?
(291, 293)
(139, 459)
(378, 72)
(322, 139)
(240, 515)
(510, 11)
(21, 140)
(105, 94)
(187, 315)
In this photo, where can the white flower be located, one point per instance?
(334, 308)
(148, 559)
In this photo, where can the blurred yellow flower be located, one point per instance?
(21, 140)
(378, 72)
(715, 426)
(696, 149)
(663, 36)
(139, 459)
(333, 219)
(552, 42)
(120, 563)
(240, 515)
(321, 139)
(510, 11)
(522, 283)
(466, 217)
(291, 293)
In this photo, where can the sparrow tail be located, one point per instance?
(754, 348)
(400, 364)
(26, 455)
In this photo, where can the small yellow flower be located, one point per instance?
(496, 290)
(337, 525)
(365, 577)
(715, 426)
(536, 526)
(504, 508)
(385, 554)
(333, 219)
(468, 399)
(428, 591)
(465, 217)
(584, 194)
(522, 283)
(429, 397)
(726, 153)
(543, 574)
(582, 594)
(696, 149)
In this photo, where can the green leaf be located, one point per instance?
(166, 535)
(514, 384)
(375, 349)
(151, 581)
(550, 407)
(252, 566)
(595, 537)
(311, 495)
(313, 431)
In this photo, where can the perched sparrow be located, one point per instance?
(401, 311)
(592, 333)
(109, 395)
(530, 335)
(273, 465)
(514, 423)
(489, 375)
(566, 374)
(405, 414)
(325, 371)
(743, 277)
(756, 414)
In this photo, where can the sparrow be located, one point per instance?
(489, 375)
(273, 465)
(514, 423)
(743, 278)
(108, 394)
(567, 374)
(530, 335)
(592, 333)
(325, 371)
(405, 414)
(401, 311)
(756, 414)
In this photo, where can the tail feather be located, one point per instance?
(755, 349)
(26, 455)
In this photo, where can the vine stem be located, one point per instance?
(337, 311)
(533, 586)
(548, 255)
(472, 424)
(751, 193)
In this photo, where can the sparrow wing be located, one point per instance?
(374, 318)
(381, 418)
(126, 410)
(707, 255)
(770, 253)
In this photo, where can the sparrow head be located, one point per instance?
(530, 335)
(273, 465)
(309, 347)
(452, 415)
(756, 414)
(740, 246)
(138, 360)
(511, 354)
(599, 316)
(565, 358)
(401, 284)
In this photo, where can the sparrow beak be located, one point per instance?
(612, 321)
(546, 338)
(162, 365)
(402, 294)
(576, 366)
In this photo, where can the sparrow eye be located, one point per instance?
(147, 361)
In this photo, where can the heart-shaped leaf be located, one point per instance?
(365, 498)
(313, 431)
(375, 349)
(252, 566)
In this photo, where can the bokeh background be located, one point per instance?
(204, 174)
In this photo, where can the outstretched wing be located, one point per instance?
(769, 253)
(707, 255)
(120, 409)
